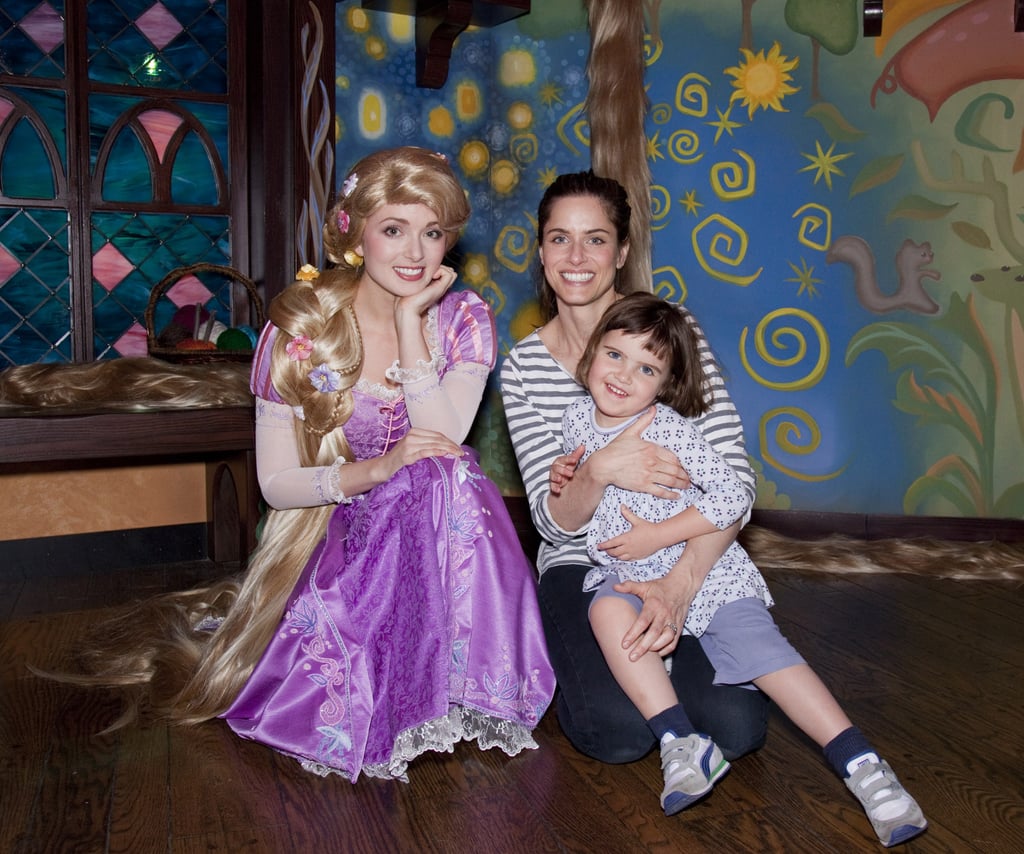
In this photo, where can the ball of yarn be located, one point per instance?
(185, 317)
(233, 339)
(251, 334)
(216, 330)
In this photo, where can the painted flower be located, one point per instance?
(350, 184)
(324, 379)
(307, 272)
(343, 222)
(299, 348)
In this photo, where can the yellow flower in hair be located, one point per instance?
(307, 273)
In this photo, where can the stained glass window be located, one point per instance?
(148, 167)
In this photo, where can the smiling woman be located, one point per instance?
(349, 643)
(583, 229)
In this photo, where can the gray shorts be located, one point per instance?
(742, 641)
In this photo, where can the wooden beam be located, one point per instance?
(440, 22)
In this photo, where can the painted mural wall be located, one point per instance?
(845, 216)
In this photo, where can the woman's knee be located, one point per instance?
(741, 721)
(611, 738)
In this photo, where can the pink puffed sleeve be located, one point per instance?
(446, 397)
(466, 325)
(259, 381)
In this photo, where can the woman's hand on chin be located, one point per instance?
(418, 303)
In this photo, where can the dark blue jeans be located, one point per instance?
(595, 714)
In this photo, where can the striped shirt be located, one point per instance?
(536, 390)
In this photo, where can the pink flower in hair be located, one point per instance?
(343, 222)
(299, 348)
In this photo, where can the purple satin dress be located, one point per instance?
(415, 623)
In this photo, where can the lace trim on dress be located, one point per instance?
(327, 483)
(441, 735)
(420, 371)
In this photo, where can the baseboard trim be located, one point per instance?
(806, 525)
(81, 554)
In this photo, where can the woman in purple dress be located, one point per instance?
(389, 608)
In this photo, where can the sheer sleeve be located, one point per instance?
(447, 400)
(284, 481)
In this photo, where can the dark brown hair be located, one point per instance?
(613, 199)
(670, 336)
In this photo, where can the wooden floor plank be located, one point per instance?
(929, 669)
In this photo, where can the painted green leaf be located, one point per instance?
(834, 123)
(961, 321)
(929, 405)
(969, 125)
(971, 235)
(834, 25)
(918, 207)
(928, 487)
(877, 172)
(1011, 503)
(906, 346)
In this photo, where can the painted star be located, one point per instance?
(546, 177)
(805, 278)
(549, 94)
(654, 147)
(690, 203)
(825, 163)
(724, 123)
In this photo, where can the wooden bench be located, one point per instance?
(223, 437)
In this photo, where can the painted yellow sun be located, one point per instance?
(376, 47)
(441, 122)
(474, 157)
(358, 21)
(528, 319)
(504, 177)
(475, 270)
(468, 101)
(517, 68)
(762, 81)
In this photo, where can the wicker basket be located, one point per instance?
(198, 357)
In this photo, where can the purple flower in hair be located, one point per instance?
(324, 379)
(349, 185)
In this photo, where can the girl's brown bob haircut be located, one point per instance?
(670, 336)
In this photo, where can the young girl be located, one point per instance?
(641, 354)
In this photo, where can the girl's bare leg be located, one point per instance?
(645, 682)
(806, 701)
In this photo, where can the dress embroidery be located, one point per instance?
(414, 625)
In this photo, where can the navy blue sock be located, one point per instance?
(674, 720)
(844, 747)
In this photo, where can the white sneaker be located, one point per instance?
(894, 815)
(691, 766)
